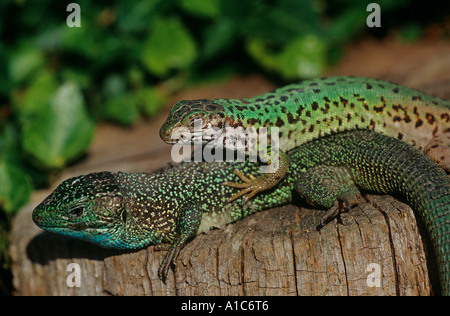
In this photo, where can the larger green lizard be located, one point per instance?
(129, 211)
(319, 107)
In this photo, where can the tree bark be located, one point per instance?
(376, 249)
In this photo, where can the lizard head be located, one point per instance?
(193, 120)
(88, 207)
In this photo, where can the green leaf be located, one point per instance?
(9, 146)
(122, 109)
(347, 24)
(218, 37)
(86, 40)
(15, 187)
(151, 101)
(136, 15)
(169, 46)
(201, 8)
(126, 108)
(81, 76)
(36, 96)
(61, 131)
(257, 48)
(114, 85)
(24, 62)
(303, 57)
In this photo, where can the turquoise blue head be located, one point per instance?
(88, 207)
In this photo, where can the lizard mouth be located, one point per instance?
(183, 135)
(63, 223)
(199, 130)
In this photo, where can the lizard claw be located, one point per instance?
(167, 261)
(339, 206)
(164, 267)
(251, 184)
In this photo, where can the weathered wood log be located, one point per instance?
(375, 250)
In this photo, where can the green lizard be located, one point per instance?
(129, 211)
(315, 108)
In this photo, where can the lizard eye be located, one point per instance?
(76, 212)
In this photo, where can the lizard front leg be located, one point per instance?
(187, 226)
(253, 185)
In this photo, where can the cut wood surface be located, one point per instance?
(377, 248)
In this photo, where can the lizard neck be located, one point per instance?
(148, 217)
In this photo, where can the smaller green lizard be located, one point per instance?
(134, 210)
(315, 108)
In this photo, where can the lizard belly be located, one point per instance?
(213, 220)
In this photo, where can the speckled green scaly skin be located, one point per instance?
(314, 108)
(131, 211)
(318, 107)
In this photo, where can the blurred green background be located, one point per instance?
(128, 57)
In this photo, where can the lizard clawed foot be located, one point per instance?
(339, 206)
(167, 261)
(251, 184)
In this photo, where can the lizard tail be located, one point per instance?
(425, 185)
(431, 199)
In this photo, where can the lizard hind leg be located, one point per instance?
(328, 187)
